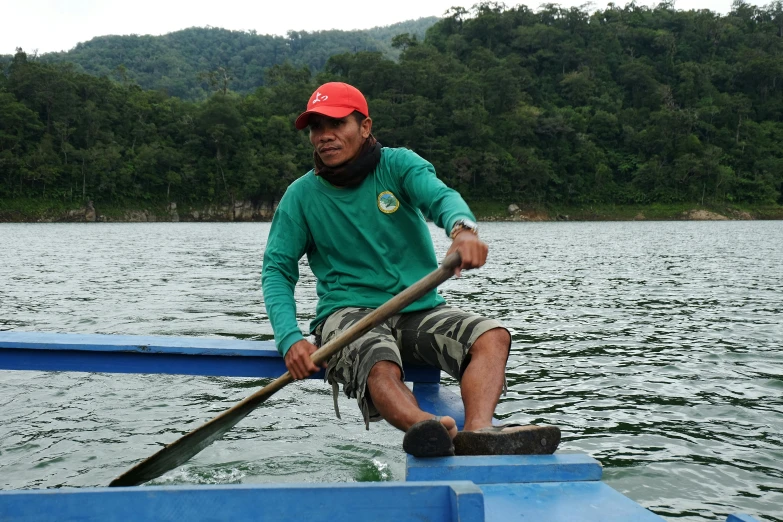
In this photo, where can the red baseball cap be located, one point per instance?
(335, 100)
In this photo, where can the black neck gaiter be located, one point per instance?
(352, 173)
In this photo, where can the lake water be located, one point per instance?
(655, 346)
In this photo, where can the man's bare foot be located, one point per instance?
(431, 437)
(476, 426)
(450, 424)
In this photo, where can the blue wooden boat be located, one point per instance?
(559, 487)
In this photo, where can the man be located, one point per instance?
(359, 217)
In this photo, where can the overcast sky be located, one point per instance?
(58, 25)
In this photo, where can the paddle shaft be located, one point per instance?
(183, 449)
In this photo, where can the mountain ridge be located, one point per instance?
(187, 63)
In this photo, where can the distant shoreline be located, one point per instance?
(652, 213)
(15, 211)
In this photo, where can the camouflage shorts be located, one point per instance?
(439, 337)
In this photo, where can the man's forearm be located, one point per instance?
(281, 308)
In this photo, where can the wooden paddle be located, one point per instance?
(180, 451)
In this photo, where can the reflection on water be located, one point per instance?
(655, 346)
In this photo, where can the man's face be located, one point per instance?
(338, 141)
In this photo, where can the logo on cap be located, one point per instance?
(319, 97)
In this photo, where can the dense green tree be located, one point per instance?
(623, 105)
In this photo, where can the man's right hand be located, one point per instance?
(297, 359)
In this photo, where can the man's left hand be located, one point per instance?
(471, 249)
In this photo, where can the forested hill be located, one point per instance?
(184, 63)
(628, 105)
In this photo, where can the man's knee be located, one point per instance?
(385, 370)
(496, 341)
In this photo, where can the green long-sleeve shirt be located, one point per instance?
(364, 244)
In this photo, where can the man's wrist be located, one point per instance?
(462, 225)
(288, 341)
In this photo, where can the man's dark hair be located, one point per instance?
(358, 116)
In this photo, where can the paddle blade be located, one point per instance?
(185, 448)
(172, 456)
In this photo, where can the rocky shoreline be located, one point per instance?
(239, 211)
